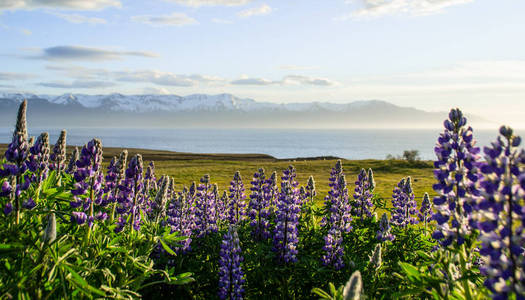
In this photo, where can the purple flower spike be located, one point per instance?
(130, 198)
(502, 217)
(58, 157)
(338, 218)
(384, 234)
(287, 213)
(457, 172)
(363, 195)
(259, 207)
(205, 221)
(231, 276)
(181, 218)
(236, 203)
(405, 207)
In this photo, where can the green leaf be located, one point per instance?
(167, 248)
(410, 270)
(82, 283)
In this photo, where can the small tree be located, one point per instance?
(411, 155)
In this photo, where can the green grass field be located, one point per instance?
(188, 167)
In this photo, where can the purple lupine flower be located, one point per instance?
(38, 160)
(338, 218)
(231, 276)
(221, 204)
(16, 154)
(310, 189)
(288, 209)
(404, 205)
(384, 234)
(502, 217)
(130, 198)
(58, 157)
(114, 176)
(150, 181)
(79, 217)
(425, 212)
(88, 178)
(271, 190)
(259, 207)
(18, 149)
(457, 173)
(205, 222)
(181, 218)
(72, 165)
(8, 208)
(362, 196)
(29, 204)
(236, 203)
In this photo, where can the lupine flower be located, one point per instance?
(18, 149)
(114, 176)
(362, 196)
(258, 207)
(287, 212)
(405, 207)
(384, 234)
(181, 218)
(88, 178)
(375, 259)
(231, 276)
(310, 189)
(58, 157)
(220, 205)
(38, 160)
(29, 204)
(271, 190)
(150, 181)
(353, 287)
(338, 219)
(72, 165)
(236, 203)
(205, 222)
(130, 197)
(371, 181)
(161, 199)
(50, 233)
(502, 218)
(425, 212)
(457, 173)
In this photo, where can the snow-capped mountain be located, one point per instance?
(208, 111)
(174, 103)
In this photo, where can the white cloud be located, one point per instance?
(256, 11)
(77, 84)
(175, 19)
(379, 8)
(79, 19)
(85, 53)
(198, 3)
(296, 67)
(15, 76)
(60, 4)
(165, 78)
(287, 80)
(156, 91)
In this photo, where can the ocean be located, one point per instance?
(280, 143)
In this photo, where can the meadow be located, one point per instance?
(94, 222)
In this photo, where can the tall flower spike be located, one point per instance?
(58, 157)
(181, 218)
(88, 190)
(405, 207)
(338, 218)
(38, 161)
(375, 259)
(236, 203)
(310, 189)
(425, 212)
(457, 173)
(285, 237)
(362, 196)
(231, 276)
(205, 221)
(371, 180)
(353, 287)
(161, 199)
(72, 165)
(50, 233)
(130, 199)
(259, 207)
(502, 218)
(17, 151)
(384, 234)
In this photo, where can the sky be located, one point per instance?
(428, 54)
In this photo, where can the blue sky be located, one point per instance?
(429, 54)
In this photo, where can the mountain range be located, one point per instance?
(209, 111)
